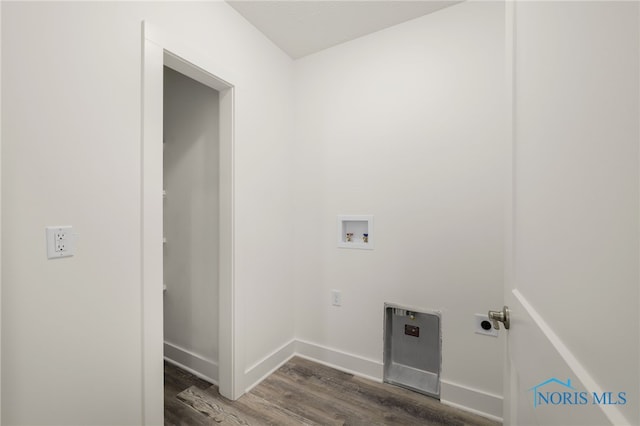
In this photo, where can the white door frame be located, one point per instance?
(158, 50)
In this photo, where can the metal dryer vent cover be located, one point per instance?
(412, 349)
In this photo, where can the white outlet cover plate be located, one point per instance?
(478, 327)
(68, 238)
(336, 298)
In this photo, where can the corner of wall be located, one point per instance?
(259, 371)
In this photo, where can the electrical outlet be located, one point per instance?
(60, 238)
(60, 241)
(484, 326)
(336, 298)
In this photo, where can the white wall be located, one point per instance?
(406, 124)
(0, 210)
(191, 155)
(71, 155)
(577, 169)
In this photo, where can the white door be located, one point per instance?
(572, 275)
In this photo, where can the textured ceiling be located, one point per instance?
(307, 26)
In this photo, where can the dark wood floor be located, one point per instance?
(305, 393)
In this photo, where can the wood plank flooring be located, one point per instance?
(302, 392)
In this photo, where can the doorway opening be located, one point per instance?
(190, 222)
(161, 51)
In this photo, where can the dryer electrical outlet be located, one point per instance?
(483, 326)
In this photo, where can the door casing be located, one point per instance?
(158, 50)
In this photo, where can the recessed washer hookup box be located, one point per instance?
(412, 349)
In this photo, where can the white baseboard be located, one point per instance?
(195, 364)
(267, 365)
(453, 394)
(343, 361)
(473, 400)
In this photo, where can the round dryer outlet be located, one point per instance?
(484, 326)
